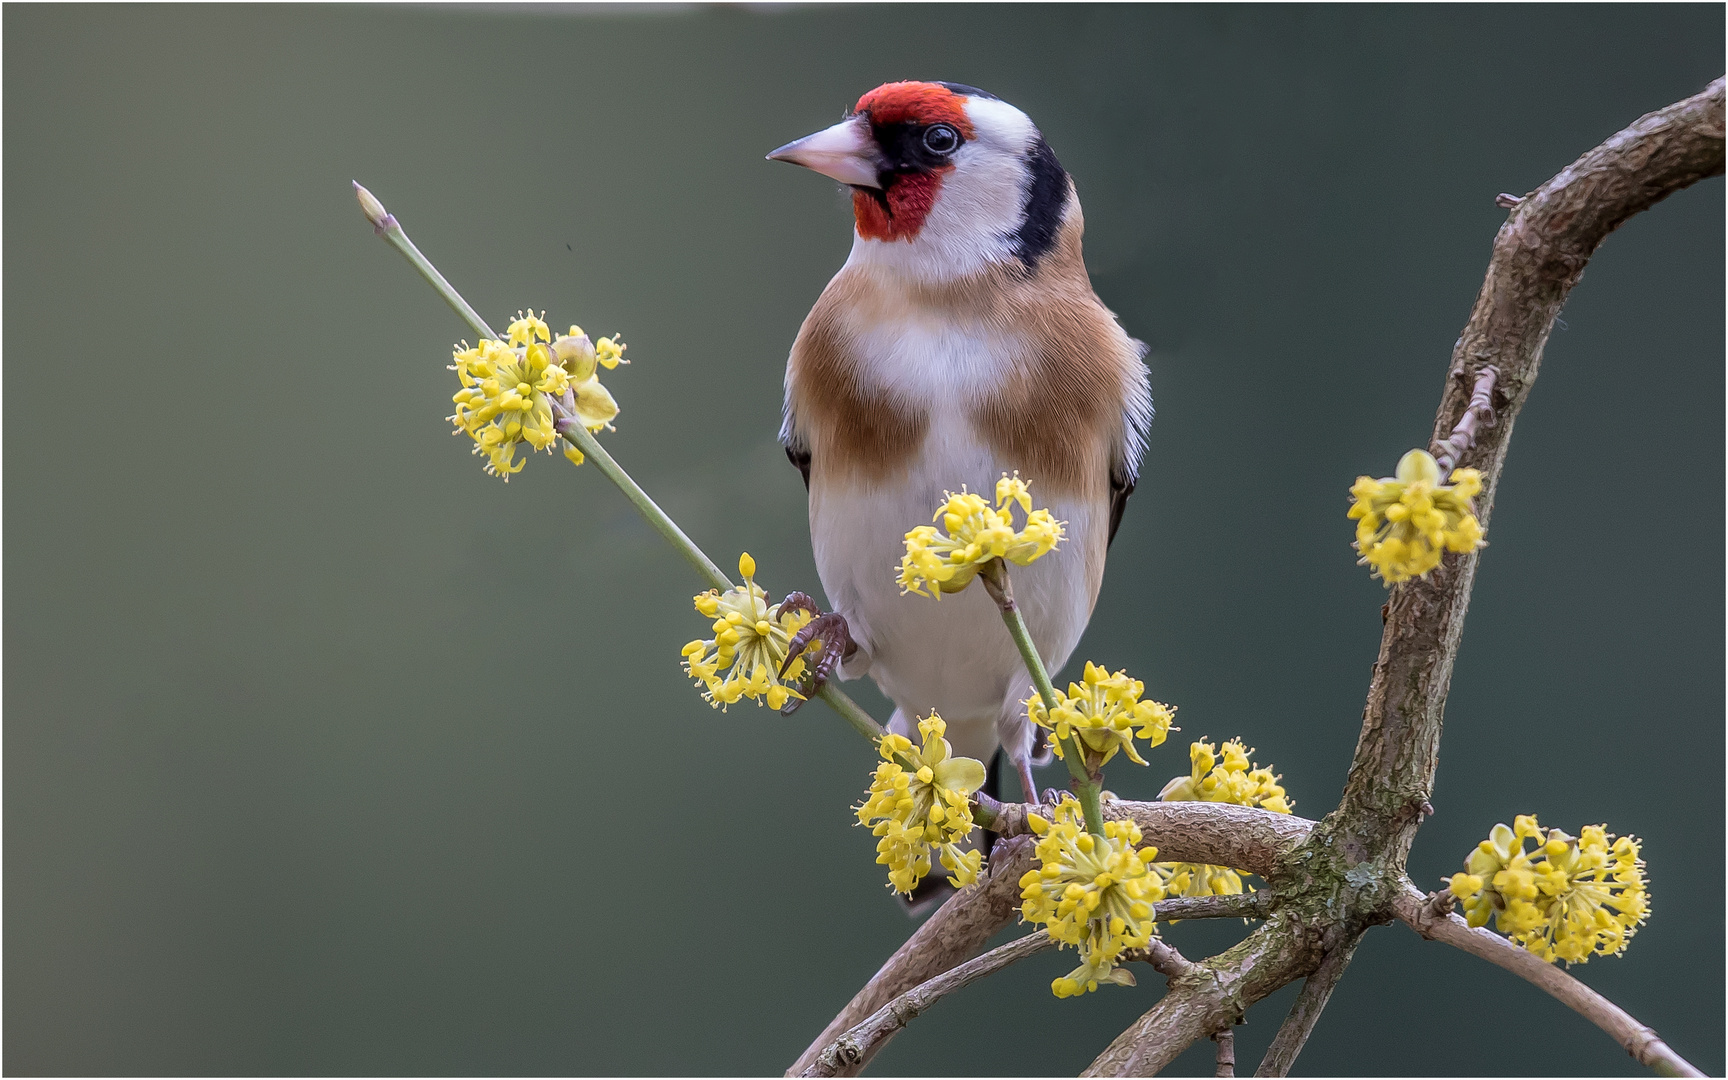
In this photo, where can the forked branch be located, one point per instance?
(957, 932)
(847, 1054)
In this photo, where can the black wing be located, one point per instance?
(1136, 422)
(1121, 486)
(800, 456)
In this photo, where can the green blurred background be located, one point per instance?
(325, 752)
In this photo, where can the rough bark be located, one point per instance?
(1212, 997)
(1241, 837)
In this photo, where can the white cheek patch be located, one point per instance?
(978, 209)
(1000, 124)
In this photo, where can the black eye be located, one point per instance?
(941, 139)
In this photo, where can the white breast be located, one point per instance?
(952, 655)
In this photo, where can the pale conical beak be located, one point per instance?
(845, 151)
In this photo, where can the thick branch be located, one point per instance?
(957, 932)
(849, 1053)
(1539, 255)
(1240, 837)
(1437, 924)
(1306, 1012)
(852, 1050)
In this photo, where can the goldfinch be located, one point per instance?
(960, 341)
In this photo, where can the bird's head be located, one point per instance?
(946, 179)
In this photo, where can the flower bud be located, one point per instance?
(372, 208)
(576, 353)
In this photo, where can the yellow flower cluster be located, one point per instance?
(1570, 898)
(918, 800)
(1231, 779)
(973, 532)
(750, 642)
(508, 389)
(1093, 892)
(1105, 713)
(1403, 522)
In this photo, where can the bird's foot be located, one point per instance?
(832, 637)
(1023, 766)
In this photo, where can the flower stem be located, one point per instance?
(385, 225)
(995, 578)
(851, 712)
(582, 439)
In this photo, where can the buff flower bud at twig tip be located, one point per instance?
(1105, 713)
(528, 388)
(373, 209)
(750, 643)
(1569, 898)
(974, 532)
(918, 802)
(1093, 892)
(1223, 775)
(1404, 522)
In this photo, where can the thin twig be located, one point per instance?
(1165, 958)
(849, 1053)
(1306, 1011)
(1480, 413)
(855, 1047)
(1249, 905)
(1226, 1040)
(957, 932)
(1435, 923)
